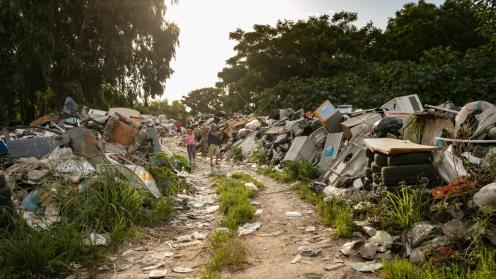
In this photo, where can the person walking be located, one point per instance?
(191, 147)
(204, 141)
(213, 145)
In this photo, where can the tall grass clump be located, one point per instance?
(108, 204)
(405, 207)
(337, 214)
(26, 253)
(228, 251)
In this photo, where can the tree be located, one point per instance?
(175, 110)
(205, 100)
(318, 47)
(486, 13)
(82, 48)
(421, 26)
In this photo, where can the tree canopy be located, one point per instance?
(438, 52)
(95, 51)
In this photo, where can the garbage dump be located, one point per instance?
(73, 148)
(444, 152)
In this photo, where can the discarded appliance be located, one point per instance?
(361, 124)
(406, 104)
(329, 116)
(351, 161)
(331, 150)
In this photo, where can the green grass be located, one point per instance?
(406, 207)
(26, 253)
(259, 155)
(279, 176)
(334, 213)
(292, 171)
(483, 265)
(400, 268)
(228, 250)
(236, 154)
(181, 163)
(234, 199)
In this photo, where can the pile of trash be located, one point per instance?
(75, 146)
(447, 151)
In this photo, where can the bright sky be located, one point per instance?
(205, 26)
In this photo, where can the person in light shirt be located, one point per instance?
(191, 147)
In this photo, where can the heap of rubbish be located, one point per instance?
(76, 145)
(447, 151)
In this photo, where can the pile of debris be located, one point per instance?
(447, 151)
(76, 145)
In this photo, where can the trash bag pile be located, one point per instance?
(445, 152)
(74, 146)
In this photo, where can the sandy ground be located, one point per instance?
(271, 249)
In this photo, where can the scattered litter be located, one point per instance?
(222, 230)
(310, 228)
(296, 259)
(97, 239)
(248, 228)
(367, 266)
(199, 236)
(420, 232)
(486, 197)
(158, 273)
(251, 186)
(293, 214)
(182, 270)
(308, 252)
(334, 266)
(313, 275)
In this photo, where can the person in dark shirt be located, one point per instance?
(213, 145)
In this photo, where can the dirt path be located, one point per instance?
(274, 246)
(271, 249)
(182, 243)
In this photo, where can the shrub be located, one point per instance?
(280, 176)
(237, 154)
(301, 170)
(259, 155)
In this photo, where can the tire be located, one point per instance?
(369, 162)
(376, 168)
(370, 154)
(409, 159)
(381, 159)
(5, 193)
(368, 173)
(410, 174)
